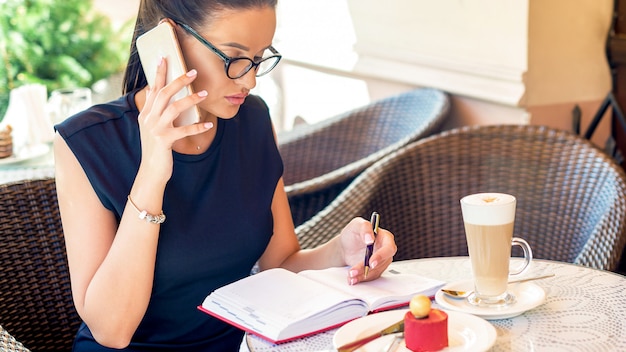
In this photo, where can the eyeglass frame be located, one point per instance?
(227, 59)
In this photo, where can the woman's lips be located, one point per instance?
(237, 99)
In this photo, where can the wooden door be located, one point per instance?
(616, 52)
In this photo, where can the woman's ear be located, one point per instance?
(168, 20)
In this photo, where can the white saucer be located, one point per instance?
(465, 332)
(528, 296)
(26, 153)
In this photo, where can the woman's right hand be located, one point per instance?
(156, 121)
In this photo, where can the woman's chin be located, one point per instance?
(228, 113)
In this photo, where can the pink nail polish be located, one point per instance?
(192, 73)
(203, 93)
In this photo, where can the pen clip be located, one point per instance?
(375, 221)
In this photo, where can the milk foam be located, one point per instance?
(488, 208)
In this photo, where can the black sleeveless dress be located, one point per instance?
(218, 208)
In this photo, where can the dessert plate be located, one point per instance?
(25, 154)
(465, 332)
(529, 295)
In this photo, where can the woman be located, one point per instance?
(156, 216)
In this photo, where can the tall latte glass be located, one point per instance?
(489, 219)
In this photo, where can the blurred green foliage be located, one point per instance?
(58, 43)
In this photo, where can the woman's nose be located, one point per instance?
(248, 80)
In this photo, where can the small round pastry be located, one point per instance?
(420, 306)
(6, 142)
(425, 329)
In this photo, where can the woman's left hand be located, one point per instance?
(354, 238)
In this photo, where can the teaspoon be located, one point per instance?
(464, 294)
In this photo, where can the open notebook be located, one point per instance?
(279, 305)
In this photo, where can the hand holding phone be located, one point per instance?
(161, 42)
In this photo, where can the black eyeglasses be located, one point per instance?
(237, 67)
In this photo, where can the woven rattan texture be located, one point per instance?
(571, 196)
(320, 160)
(35, 298)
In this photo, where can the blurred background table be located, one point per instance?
(36, 165)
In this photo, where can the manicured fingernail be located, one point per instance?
(354, 273)
(208, 125)
(160, 61)
(192, 73)
(352, 281)
(373, 264)
(203, 93)
(369, 239)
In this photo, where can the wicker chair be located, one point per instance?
(571, 196)
(321, 159)
(36, 304)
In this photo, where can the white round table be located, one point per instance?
(9, 344)
(584, 310)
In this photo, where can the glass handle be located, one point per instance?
(528, 254)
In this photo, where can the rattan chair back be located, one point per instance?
(571, 197)
(36, 304)
(320, 160)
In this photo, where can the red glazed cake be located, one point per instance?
(429, 330)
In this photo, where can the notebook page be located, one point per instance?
(271, 300)
(391, 289)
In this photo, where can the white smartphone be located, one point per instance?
(161, 42)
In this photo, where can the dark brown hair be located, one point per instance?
(195, 13)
